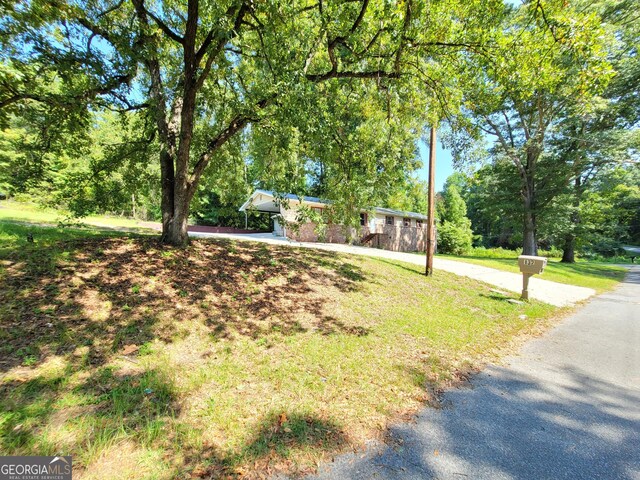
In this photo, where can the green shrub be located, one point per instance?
(454, 238)
(553, 252)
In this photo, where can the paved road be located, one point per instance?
(550, 292)
(568, 407)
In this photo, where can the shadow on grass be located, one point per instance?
(25, 405)
(80, 300)
(276, 438)
(416, 271)
(142, 410)
(102, 294)
(104, 408)
(498, 297)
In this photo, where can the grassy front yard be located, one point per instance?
(599, 276)
(224, 359)
(12, 211)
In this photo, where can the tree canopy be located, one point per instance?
(161, 106)
(551, 63)
(199, 73)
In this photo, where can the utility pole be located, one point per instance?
(431, 230)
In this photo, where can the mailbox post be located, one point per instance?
(530, 265)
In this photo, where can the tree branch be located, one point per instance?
(505, 146)
(349, 74)
(95, 29)
(165, 28)
(222, 41)
(341, 40)
(237, 123)
(153, 65)
(403, 36)
(17, 97)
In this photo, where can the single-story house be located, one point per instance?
(379, 227)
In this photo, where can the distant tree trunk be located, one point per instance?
(530, 242)
(530, 227)
(569, 247)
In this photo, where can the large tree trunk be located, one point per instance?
(569, 248)
(174, 205)
(176, 199)
(529, 240)
(166, 182)
(176, 232)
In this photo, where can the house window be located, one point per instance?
(419, 223)
(388, 220)
(406, 221)
(363, 219)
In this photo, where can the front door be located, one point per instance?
(372, 224)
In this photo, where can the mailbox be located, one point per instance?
(531, 264)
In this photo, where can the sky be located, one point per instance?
(444, 164)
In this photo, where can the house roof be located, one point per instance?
(400, 213)
(270, 205)
(257, 201)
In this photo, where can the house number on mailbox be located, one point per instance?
(528, 262)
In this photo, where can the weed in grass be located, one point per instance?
(29, 355)
(146, 349)
(264, 342)
(29, 360)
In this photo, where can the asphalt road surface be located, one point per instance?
(567, 407)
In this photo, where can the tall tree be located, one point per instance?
(203, 71)
(454, 228)
(595, 140)
(551, 62)
(610, 210)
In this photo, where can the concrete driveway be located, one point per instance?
(557, 294)
(568, 407)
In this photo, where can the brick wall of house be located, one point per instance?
(393, 237)
(404, 239)
(307, 233)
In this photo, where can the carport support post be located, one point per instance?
(431, 200)
(525, 286)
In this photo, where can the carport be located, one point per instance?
(263, 202)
